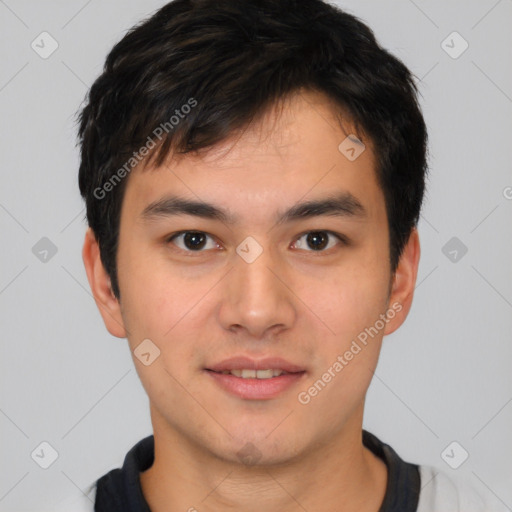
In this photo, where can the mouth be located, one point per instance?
(247, 373)
(251, 379)
(255, 368)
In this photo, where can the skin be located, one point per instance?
(293, 302)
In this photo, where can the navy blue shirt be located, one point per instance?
(120, 489)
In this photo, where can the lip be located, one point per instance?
(255, 389)
(243, 362)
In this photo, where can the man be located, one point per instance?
(253, 173)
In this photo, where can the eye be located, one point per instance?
(196, 241)
(318, 240)
(192, 241)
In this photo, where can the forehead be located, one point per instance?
(296, 150)
(302, 123)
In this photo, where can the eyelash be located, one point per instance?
(341, 238)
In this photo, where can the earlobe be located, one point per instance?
(99, 282)
(404, 282)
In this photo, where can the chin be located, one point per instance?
(253, 450)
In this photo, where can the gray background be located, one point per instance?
(443, 377)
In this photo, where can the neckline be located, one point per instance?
(123, 486)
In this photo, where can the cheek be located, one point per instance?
(351, 299)
(166, 306)
(162, 307)
(350, 305)
(152, 298)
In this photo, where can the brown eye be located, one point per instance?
(317, 240)
(192, 241)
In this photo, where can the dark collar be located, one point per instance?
(403, 487)
(120, 489)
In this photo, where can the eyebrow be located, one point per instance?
(342, 205)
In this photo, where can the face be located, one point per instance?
(258, 282)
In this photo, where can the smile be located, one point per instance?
(254, 374)
(255, 384)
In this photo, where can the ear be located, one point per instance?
(404, 282)
(99, 282)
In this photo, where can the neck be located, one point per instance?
(341, 476)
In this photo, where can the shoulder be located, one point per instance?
(443, 493)
(116, 488)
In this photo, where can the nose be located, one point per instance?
(257, 298)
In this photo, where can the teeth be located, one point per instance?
(254, 374)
